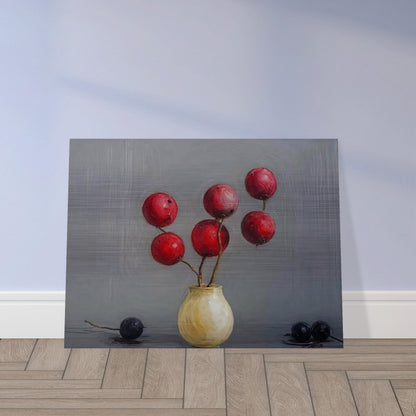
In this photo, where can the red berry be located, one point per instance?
(160, 209)
(221, 201)
(261, 183)
(258, 227)
(168, 248)
(205, 239)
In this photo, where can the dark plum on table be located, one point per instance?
(320, 331)
(131, 328)
(301, 332)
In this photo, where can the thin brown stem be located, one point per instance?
(161, 229)
(190, 266)
(264, 205)
(214, 272)
(200, 271)
(101, 327)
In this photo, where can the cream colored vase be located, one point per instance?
(205, 318)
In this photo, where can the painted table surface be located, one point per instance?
(169, 338)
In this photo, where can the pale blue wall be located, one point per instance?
(173, 68)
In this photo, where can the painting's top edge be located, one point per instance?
(206, 138)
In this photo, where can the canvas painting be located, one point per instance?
(203, 243)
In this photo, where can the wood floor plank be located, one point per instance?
(87, 363)
(407, 401)
(125, 368)
(325, 366)
(331, 393)
(49, 354)
(288, 390)
(370, 365)
(111, 412)
(358, 358)
(348, 342)
(16, 349)
(69, 393)
(164, 375)
(90, 403)
(30, 375)
(378, 341)
(375, 398)
(381, 375)
(377, 349)
(204, 379)
(246, 385)
(20, 365)
(365, 349)
(403, 384)
(50, 384)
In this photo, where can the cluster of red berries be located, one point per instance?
(258, 227)
(210, 237)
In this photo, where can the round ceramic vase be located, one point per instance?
(205, 318)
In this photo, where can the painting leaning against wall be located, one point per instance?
(203, 243)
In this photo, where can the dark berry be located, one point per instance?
(301, 332)
(320, 331)
(131, 328)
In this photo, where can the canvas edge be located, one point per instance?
(367, 314)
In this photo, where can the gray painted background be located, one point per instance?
(111, 274)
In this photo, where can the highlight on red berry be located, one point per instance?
(160, 209)
(168, 248)
(261, 183)
(221, 201)
(205, 238)
(258, 227)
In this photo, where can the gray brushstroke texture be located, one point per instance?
(111, 274)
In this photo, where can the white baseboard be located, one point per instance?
(379, 314)
(32, 314)
(367, 314)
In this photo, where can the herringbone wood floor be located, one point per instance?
(366, 378)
